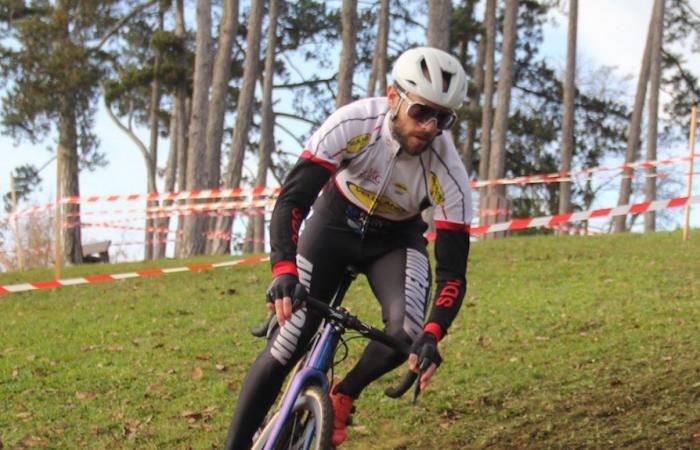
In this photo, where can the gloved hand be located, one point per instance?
(280, 294)
(424, 357)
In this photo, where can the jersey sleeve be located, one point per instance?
(320, 159)
(450, 193)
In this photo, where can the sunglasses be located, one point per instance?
(423, 113)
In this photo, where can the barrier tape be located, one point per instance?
(547, 221)
(23, 287)
(274, 192)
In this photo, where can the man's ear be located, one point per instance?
(393, 96)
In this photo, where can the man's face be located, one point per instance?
(413, 135)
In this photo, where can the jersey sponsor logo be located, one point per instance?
(358, 143)
(436, 192)
(448, 294)
(372, 175)
(400, 187)
(384, 205)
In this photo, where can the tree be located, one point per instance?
(52, 69)
(505, 77)
(244, 113)
(256, 222)
(654, 85)
(633, 135)
(474, 92)
(487, 110)
(348, 53)
(567, 134)
(193, 237)
(379, 61)
(439, 12)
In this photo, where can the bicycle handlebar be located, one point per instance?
(343, 317)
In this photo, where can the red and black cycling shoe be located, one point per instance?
(342, 415)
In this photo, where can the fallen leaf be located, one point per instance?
(31, 441)
(197, 373)
(206, 357)
(85, 395)
(24, 415)
(191, 416)
(445, 425)
(541, 338)
(221, 368)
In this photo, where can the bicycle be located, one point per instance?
(304, 420)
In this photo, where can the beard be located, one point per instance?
(412, 143)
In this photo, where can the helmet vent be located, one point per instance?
(424, 68)
(446, 78)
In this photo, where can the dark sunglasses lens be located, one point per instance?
(423, 113)
(445, 120)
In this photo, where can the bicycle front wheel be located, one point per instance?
(309, 425)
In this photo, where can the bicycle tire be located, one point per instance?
(309, 425)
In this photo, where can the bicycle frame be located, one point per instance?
(315, 365)
(313, 369)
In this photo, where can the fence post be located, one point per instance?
(693, 123)
(58, 244)
(18, 240)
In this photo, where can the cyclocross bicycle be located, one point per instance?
(304, 420)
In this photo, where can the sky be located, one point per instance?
(610, 33)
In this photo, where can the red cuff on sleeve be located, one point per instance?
(435, 329)
(284, 267)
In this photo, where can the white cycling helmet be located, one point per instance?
(432, 74)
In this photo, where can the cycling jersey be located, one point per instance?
(372, 186)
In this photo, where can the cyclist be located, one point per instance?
(380, 162)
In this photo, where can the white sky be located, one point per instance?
(610, 32)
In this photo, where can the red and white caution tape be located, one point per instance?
(9, 289)
(548, 221)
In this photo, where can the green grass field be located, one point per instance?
(562, 342)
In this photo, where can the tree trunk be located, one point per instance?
(152, 162)
(68, 140)
(634, 131)
(487, 109)
(379, 61)
(169, 183)
(182, 117)
(193, 238)
(439, 13)
(654, 84)
(348, 54)
(505, 77)
(567, 131)
(217, 105)
(267, 130)
(244, 113)
(473, 106)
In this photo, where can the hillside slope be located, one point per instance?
(563, 342)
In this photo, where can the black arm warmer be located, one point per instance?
(451, 253)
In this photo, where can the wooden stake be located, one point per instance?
(693, 124)
(18, 241)
(58, 244)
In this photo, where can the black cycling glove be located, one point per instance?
(425, 346)
(282, 286)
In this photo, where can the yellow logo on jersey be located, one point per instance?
(357, 143)
(436, 192)
(384, 205)
(400, 187)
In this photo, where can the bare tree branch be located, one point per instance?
(122, 21)
(129, 132)
(313, 82)
(295, 117)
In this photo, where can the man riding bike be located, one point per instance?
(379, 162)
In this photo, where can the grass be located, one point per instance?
(562, 342)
